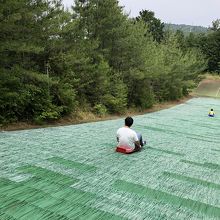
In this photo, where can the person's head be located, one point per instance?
(129, 121)
(211, 109)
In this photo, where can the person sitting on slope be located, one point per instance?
(211, 113)
(128, 137)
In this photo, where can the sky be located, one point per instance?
(191, 12)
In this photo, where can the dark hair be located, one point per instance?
(211, 109)
(129, 121)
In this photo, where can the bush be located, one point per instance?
(48, 115)
(63, 95)
(100, 109)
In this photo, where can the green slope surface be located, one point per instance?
(73, 172)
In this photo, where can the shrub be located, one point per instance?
(100, 109)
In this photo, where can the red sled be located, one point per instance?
(124, 149)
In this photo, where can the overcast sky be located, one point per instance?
(192, 12)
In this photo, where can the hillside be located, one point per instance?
(186, 28)
(73, 172)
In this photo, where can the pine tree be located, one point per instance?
(154, 25)
(29, 28)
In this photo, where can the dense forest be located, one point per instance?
(55, 62)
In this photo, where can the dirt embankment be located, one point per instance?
(88, 117)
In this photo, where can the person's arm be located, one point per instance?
(117, 136)
(137, 146)
(136, 142)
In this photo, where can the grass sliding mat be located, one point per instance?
(73, 172)
(209, 88)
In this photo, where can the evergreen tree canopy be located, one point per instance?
(55, 62)
(155, 26)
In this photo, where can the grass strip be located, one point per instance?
(22, 210)
(166, 151)
(206, 165)
(192, 180)
(203, 140)
(60, 191)
(191, 136)
(48, 174)
(27, 200)
(4, 216)
(167, 198)
(72, 164)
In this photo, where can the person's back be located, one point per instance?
(129, 138)
(126, 137)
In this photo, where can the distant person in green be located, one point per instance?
(211, 113)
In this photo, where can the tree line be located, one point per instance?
(55, 62)
(208, 43)
(186, 29)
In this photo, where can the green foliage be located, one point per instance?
(11, 100)
(155, 26)
(186, 29)
(64, 97)
(177, 67)
(208, 44)
(55, 62)
(210, 47)
(100, 109)
(215, 25)
(143, 95)
(180, 39)
(49, 114)
(116, 99)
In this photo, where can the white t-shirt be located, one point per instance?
(126, 137)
